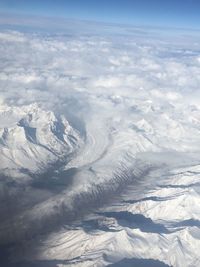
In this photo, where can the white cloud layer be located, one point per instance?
(145, 88)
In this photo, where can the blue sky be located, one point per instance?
(176, 13)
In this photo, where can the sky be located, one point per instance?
(173, 13)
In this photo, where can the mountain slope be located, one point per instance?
(32, 139)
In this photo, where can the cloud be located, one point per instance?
(93, 70)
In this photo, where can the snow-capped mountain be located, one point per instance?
(32, 139)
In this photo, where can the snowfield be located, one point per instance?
(99, 148)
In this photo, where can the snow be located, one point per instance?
(30, 139)
(172, 239)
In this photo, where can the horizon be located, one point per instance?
(173, 14)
